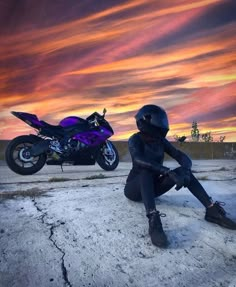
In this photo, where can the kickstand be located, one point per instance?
(62, 168)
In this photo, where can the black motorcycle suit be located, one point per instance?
(148, 178)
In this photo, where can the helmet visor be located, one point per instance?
(157, 120)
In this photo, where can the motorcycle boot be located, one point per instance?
(217, 214)
(156, 232)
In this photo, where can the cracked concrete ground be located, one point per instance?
(76, 228)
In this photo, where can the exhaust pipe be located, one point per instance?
(39, 147)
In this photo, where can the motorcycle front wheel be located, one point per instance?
(108, 157)
(18, 156)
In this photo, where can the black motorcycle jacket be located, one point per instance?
(148, 153)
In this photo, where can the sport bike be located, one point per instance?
(75, 140)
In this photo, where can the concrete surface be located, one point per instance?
(76, 228)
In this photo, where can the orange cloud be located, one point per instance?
(121, 58)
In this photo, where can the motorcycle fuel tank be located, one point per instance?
(70, 121)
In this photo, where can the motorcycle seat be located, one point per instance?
(62, 131)
(51, 130)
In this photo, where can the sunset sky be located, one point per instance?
(61, 58)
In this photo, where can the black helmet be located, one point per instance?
(152, 120)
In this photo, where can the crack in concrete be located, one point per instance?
(40, 210)
(63, 267)
(226, 179)
(52, 227)
(67, 179)
(84, 179)
(24, 182)
(212, 170)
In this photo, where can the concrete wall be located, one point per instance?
(196, 150)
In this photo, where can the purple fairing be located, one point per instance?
(93, 138)
(90, 137)
(69, 121)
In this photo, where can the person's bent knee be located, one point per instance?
(132, 195)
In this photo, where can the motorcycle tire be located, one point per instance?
(18, 157)
(108, 161)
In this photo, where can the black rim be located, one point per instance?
(21, 156)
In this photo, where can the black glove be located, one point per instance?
(178, 179)
(160, 169)
(186, 174)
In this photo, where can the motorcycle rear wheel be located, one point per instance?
(108, 157)
(18, 156)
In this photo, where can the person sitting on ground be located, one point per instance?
(148, 178)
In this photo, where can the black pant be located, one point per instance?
(147, 185)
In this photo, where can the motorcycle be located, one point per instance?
(75, 141)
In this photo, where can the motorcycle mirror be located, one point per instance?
(104, 112)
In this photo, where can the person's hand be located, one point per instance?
(161, 169)
(187, 177)
(178, 179)
(186, 174)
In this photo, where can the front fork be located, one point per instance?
(109, 147)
